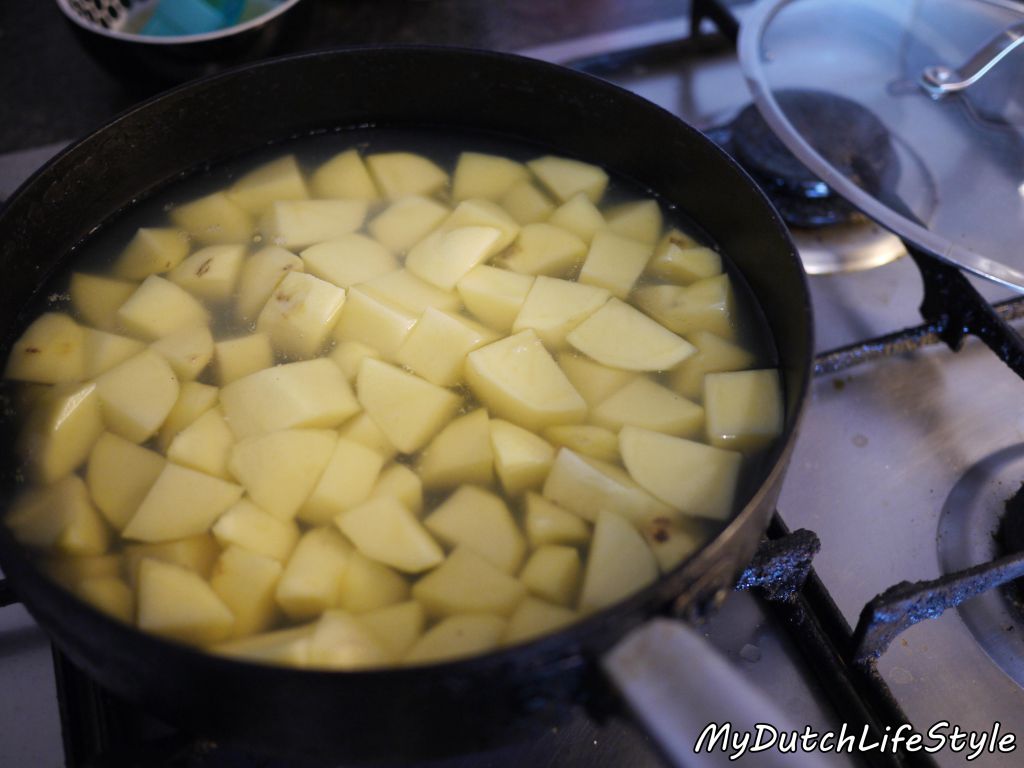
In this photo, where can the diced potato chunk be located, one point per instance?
(214, 219)
(698, 479)
(643, 403)
(485, 214)
(314, 575)
(204, 445)
(444, 257)
(460, 453)
(619, 563)
(579, 216)
(408, 409)
(247, 583)
(518, 380)
(247, 526)
(279, 179)
(109, 595)
(468, 583)
(396, 627)
(59, 516)
(385, 531)
(714, 354)
(437, 346)
(702, 306)
(152, 251)
(526, 204)
(566, 177)
(614, 262)
(375, 322)
(521, 458)
(405, 290)
(347, 480)
(158, 308)
(402, 173)
(544, 249)
(621, 337)
(235, 359)
(119, 475)
(96, 299)
(370, 586)
(547, 523)
(363, 430)
(672, 541)
(311, 393)
(407, 221)
(300, 314)
(534, 618)
(61, 430)
(494, 296)
(289, 647)
(401, 483)
(348, 260)
(585, 439)
(261, 273)
(50, 351)
(478, 520)
(340, 641)
(73, 570)
(595, 382)
(640, 221)
(678, 259)
(553, 573)
(456, 637)
(137, 395)
(279, 470)
(587, 486)
(348, 355)
(177, 604)
(744, 408)
(195, 553)
(211, 273)
(193, 401)
(344, 175)
(102, 351)
(187, 351)
(553, 307)
(181, 503)
(298, 223)
(485, 176)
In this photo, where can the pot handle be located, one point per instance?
(664, 667)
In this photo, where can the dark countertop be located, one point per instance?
(52, 91)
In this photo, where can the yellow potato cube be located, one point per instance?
(468, 583)
(406, 291)
(587, 486)
(521, 458)
(407, 221)
(408, 409)
(211, 273)
(181, 503)
(396, 627)
(340, 641)
(494, 296)
(373, 322)
(526, 204)
(401, 483)
(475, 519)
(544, 249)
(348, 355)
(299, 223)
(137, 395)
(72, 570)
(553, 573)
(370, 586)
(579, 216)
(158, 308)
(444, 257)
(566, 177)
(363, 430)
(622, 337)
(402, 173)
(195, 553)
(288, 647)
(518, 380)
(744, 409)
(595, 382)
(101, 351)
(461, 453)
(344, 175)
(96, 299)
(314, 575)
(485, 214)
(679, 259)
(235, 359)
(300, 314)
(193, 401)
(247, 583)
(50, 351)
(437, 346)
(534, 618)
(585, 439)
(547, 523)
(347, 480)
(61, 430)
(177, 604)
(279, 470)
(59, 516)
(714, 355)
(279, 179)
(85, 532)
(247, 526)
(204, 445)
(614, 262)
(692, 477)
(261, 273)
(152, 251)
(214, 219)
(311, 393)
(348, 260)
(640, 221)
(672, 541)
(109, 595)
(643, 403)
(485, 176)
(553, 307)
(187, 351)
(619, 563)
(457, 637)
(119, 475)
(705, 305)
(385, 531)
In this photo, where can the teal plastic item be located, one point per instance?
(186, 17)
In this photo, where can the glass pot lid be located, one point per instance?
(913, 110)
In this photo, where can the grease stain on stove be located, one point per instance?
(859, 440)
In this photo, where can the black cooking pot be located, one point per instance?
(446, 708)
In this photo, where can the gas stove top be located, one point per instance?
(902, 468)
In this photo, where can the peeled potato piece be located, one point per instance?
(211, 273)
(299, 223)
(314, 575)
(177, 604)
(279, 179)
(403, 173)
(152, 251)
(614, 262)
(444, 258)
(457, 636)
(640, 221)
(50, 351)
(214, 219)
(61, 431)
(566, 177)
(371, 586)
(521, 458)
(96, 299)
(526, 204)
(137, 395)
(247, 526)
(580, 217)
(384, 530)
(158, 308)
(59, 516)
(348, 260)
(478, 520)
(246, 582)
(619, 563)
(407, 221)
(534, 618)
(460, 453)
(300, 314)
(119, 475)
(468, 583)
(181, 503)
(494, 296)
(260, 275)
(396, 627)
(485, 176)
(344, 175)
(437, 346)
(620, 336)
